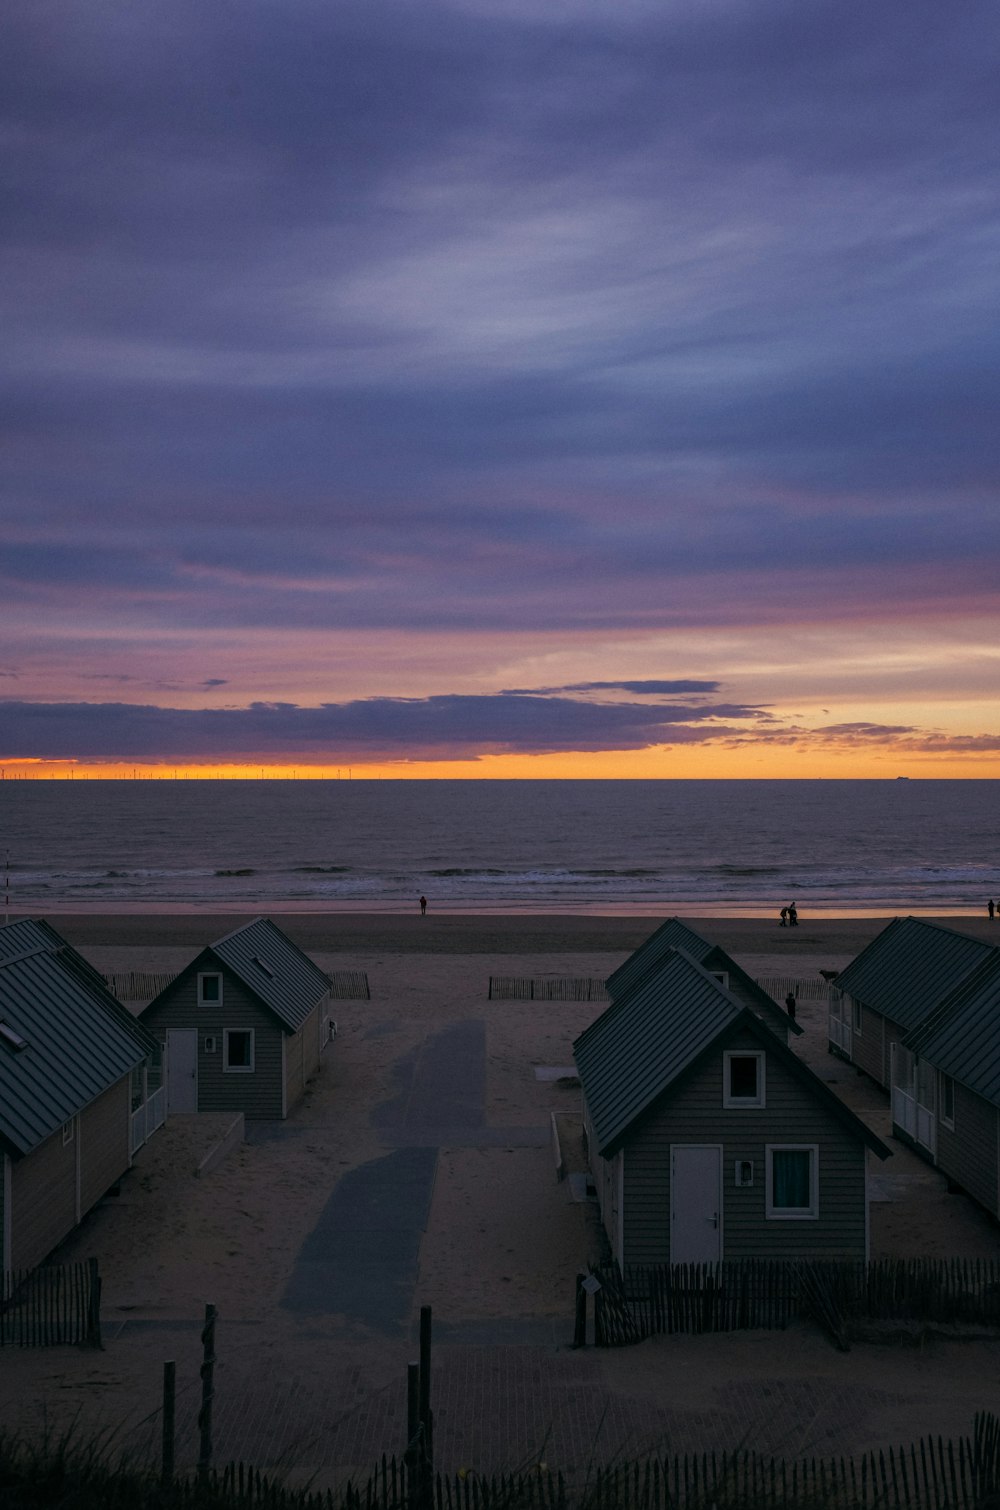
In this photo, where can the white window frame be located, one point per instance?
(944, 1079)
(788, 1213)
(238, 1069)
(722, 976)
(214, 1001)
(747, 1102)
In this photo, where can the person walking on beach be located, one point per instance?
(793, 915)
(423, 906)
(991, 908)
(784, 917)
(790, 1005)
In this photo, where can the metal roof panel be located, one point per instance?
(276, 970)
(909, 968)
(76, 1048)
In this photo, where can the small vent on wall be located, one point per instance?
(744, 1172)
(211, 1044)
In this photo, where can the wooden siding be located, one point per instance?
(257, 1095)
(866, 1045)
(605, 1173)
(302, 1055)
(967, 1154)
(695, 1114)
(5, 1258)
(103, 1130)
(43, 1200)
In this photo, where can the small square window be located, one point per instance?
(743, 1079)
(209, 990)
(237, 1050)
(792, 1182)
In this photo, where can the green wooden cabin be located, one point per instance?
(244, 1025)
(708, 1137)
(71, 1059)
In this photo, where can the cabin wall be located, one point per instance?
(869, 1045)
(43, 1199)
(967, 1153)
(258, 1094)
(302, 1050)
(103, 1130)
(606, 1183)
(791, 1115)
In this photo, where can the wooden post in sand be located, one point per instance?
(169, 1416)
(419, 1456)
(207, 1391)
(426, 1415)
(580, 1325)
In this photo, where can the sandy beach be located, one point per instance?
(487, 933)
(497, 1243)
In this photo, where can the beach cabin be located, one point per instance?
(946, 1101)
(708, 1138)
(244, 1026)
(891, 988)
(673, 934)
(70, 1055)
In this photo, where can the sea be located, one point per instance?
(640, 848)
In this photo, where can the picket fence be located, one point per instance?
(51, 1305)
(740, 1294)
(541, 988)
(933, 1473)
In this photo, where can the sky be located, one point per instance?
(500, 388)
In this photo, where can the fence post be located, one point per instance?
(169, 1413)
(207, 1392)
(94, 1305)
(413, 1456)
(426, 1415)
(580, 1324)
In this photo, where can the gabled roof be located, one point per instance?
(647, 1041)
(908, 969)
(962, 1036)
(282, 977)
(673, 934)
(75, 1048)
(28, 935)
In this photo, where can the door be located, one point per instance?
(182, 1069)
(695, 1203)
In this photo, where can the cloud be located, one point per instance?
(647, 688)
(441, 727)
(579, 318)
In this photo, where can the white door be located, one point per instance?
(182, 1069)
(695, 1203)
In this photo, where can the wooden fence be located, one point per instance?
(137, 985)
(932, 1474)
(524, 988)
(741, 1294)
(51, 1305)
(779, 986)
(349, 985)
